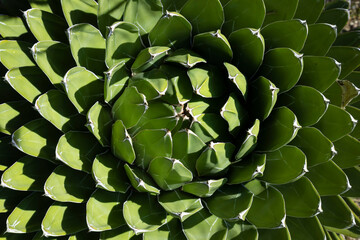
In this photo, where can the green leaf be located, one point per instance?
(249, 142)
(171, 230)
(121, 143)
(267, 209)
(203, 188)
(27, 216)
(290, 33)
(46, 5)
(99, 123)
(278, 130)
(349, 57)
(55, 107)
(319, 72)
(243, 14)
(15, 54)
(185, 57)
(349, 92)
(115, 80)
(320, 38)
(180, 204)
(54, 59)
(336, 213)
(122, 42)
(248, 48)
(262, 96)
(87, 47)
(8, 154)
(81, 11)
(302, 11)
(301, 198)
(29, 82)
(109, 12)
(237, 78)
(336, 123)
(284, 165)
(317, 148)
(109, 173)
(144, 14)
(123, 232)
(104, 210)
(9, 199)
(305, 228)
(335, 16)
(63, 219)
(84, 235)
(143, 213)
(348, 152)
(328, 179)
(210, 18)
(334, 94)
(163, 33)
(354, 111)
(149, 57)
(173, 5)
(337, 4)
(279, 10)
(354, 176)
(46, 26)
(348, 39)
(209, 127)
(213, 46)
(83, 88)
(15, 114)
(249, 168)
(141, 181)
(37, 138)
(27, 174)
(282, 63)
(215, 159)
(11, 27)
(78, 150)
(277, 233)
(68, 185)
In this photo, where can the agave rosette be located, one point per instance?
(191, 119)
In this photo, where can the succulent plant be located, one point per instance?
(179, 119)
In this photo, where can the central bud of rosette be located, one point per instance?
(178, 120)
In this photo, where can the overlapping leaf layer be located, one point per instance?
(179, 119)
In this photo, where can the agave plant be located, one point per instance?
(179, 119)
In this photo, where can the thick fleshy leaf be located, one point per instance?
(185, 57)
(11, 26)
(115, 80)
(248, 47)
(210, 18)
(149, 57)
(320, 38)
(249, 142)
(122, 43)
(15, 114)
(163, 33)
(203, 188)
(104, 210)
(355, 112)
(83, 88)
(349, 57)
(236, 77)
(284, 165)
(143, 213)
(15, 54)
(144, 14)
(319, 72)
(140, 180)
(317, 148)
(247, 169)
(121, 143)
(87, 47)
(27, 216)
(279, 10)
(290, 33)
(243, 14)
(29, 82)
(305, 228)
(354, 177)
(262, 96)
(123, 232)
(46, 26)
(302, 11)
(80, 11)
(109, 11)
(328, 179)
(173, 5)
(99, 123)
(336, 123)
(301, 198)
(210, 126)
(172, 230)
(277, 233)
(348, 152)
(68, 185)
(278, 130)
(337, 4)
(63, 219)
(8, 154)
(54, 59)
(169, 173)
(37, 138)
(267, 209)
(335, 16)
(180, 204)
(27, 174)
(109, 173)
(9, 199)
(280, 64)
(55, 107)
(348, 39)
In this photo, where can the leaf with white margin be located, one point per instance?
(15, 54)
(115, 80)
(80, 11)
(121, 143)
(203, 188)
(120, 233)
(99, 123)
(140, 180)
(171, 230)
(237, 78)
(247, 169)
(149, 57)
(249, 142)
(235, 114)
(185, 57)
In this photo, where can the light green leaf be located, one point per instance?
(237, 78)
(320, 38)
(120, 233)
(121, 143)
(279, 10)
(11, 26)
(249, 142)
(249, 168)
(140, 180)
(349, 57)
(149, 57)
(78, 150)
(109, 11)
(68, 185)
(305, 228)
(203, 188)
(143, 213)
(335, 16)
(173, 5)
(80, 11)
(172, 230)
(185, 57)
(99, 123)
(302, 11)
(15, 54)
(9, 199)
(115, 80)
(348, 152)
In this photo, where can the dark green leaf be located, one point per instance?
(109, 11)
(335, 16)
(249, 168)
(305, 228)
(320, 38)
(203, 188)
(302, 11)
(354, 177)
(279, 10)
(349, 57)
(348, 152)
(149, 57)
